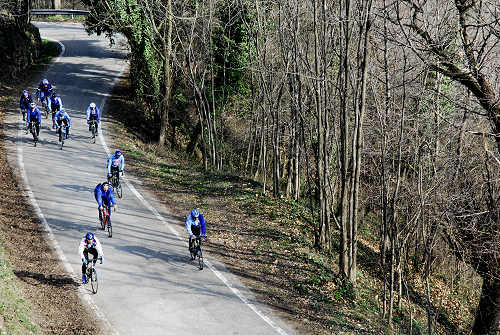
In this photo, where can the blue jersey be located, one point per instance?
(190, 221)
(33, 115)
(61, 116)
(116, 162)
(104, 197)
(95, 114)
(56, 102)
(24, 102)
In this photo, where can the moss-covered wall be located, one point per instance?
(19, 47)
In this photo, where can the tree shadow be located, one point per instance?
(36, 279)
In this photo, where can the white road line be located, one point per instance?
(237, 292)
(59, 252)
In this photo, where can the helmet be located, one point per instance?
(25, 92)
(92, 105)
(195, 213)
(105, 184)
(118, 153)
(45, 82)
(89, 236)
(32, 104)
(54, 94)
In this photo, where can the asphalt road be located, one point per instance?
(147, 283)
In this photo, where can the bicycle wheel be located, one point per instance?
(200, 259)
(93, 281)
(110, 228)
(93, 133)
(119, 191)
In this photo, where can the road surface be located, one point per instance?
(147, 283)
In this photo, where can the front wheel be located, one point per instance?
(93, 133)
(93, 281)
(110, 228)
(200, 259)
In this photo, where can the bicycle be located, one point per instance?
(197, 252)
(117, 185)
(62, 134)
(106, 220)
(32, 129)
(93, 129)
(44, 101)
(91, 274)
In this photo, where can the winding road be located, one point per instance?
(147, 283)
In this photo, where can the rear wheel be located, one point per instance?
(119, 190)
(93, 280)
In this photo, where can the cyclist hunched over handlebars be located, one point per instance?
(24, 103)
(93, 114)
(55, 105)
(89, 245)
(62, 118)
(35, 116)
(43, 91)
(103, 194)
(116, 164)
(195, 224)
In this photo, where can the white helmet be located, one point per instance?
(92, 105)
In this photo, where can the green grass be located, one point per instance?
(61, 18)
(49, 50)
(13, 308)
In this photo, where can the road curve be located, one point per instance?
(147, 284)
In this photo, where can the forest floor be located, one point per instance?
(37, 296)
(269, 243)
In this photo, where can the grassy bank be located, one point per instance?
(15, 313)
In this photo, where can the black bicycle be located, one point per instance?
(196, 251)
(62, 134)
(93, 129)
(91, 274)
(116, 183)
(32, 129)
(44, 101)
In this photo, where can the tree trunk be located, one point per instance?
(488, 312)
(56, 4)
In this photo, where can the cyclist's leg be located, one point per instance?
(98, 210)
(86, 255)
(116, 169)
(94, 253)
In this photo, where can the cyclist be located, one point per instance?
(43, 91)
(93, 114)
(89, 245)
(24, 103)
(33, 114)
(55, 105)
(194, 223)
(116, 163)
(61, 118)
(103, 194)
